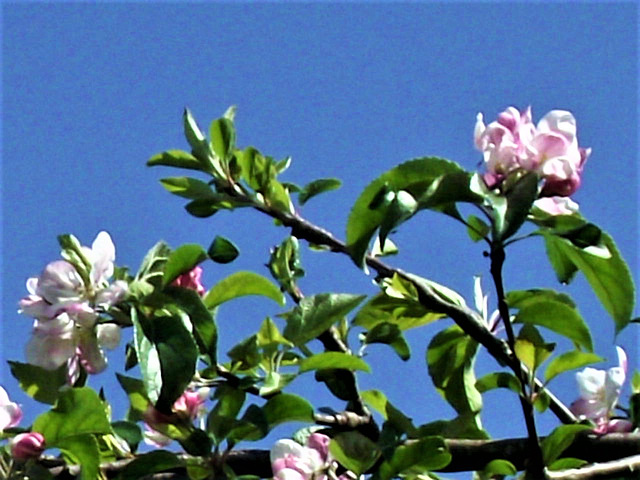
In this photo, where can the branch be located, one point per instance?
(467, 319)
(619, 452)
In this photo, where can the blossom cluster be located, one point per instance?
(513, 143)
(599, 394)
(66, 304)
(293, 461)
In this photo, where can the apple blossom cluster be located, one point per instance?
(292, 461)
(188, 407)
(513, 143)
(599, 393)
(66, 300)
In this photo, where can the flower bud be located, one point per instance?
(27, 445)
(191, 280)
(10, 412)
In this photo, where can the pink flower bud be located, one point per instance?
(27, 445)
(191, 280)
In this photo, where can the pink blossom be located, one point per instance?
(191, 280)
(10, 412)
(187, 408)
(599, 393)
(27, 445)
(292, 461)
(556, 205)
(512, 142)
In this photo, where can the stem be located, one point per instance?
(536, 464)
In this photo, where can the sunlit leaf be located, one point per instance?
(81, 450)
(223, 137)
(558, 441)
(175, 158)
(77, 411)
(315, 314)
(181, 260)
(340, 360)
(287, 407)
(420, 456)
(569, 361)
(187, 187)
(240, 284)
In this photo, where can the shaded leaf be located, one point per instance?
(354, 451)
(222, 250)
(559, 439)
(569, 361)
(223, 137)
(418, 457)
(181, 260)
(175, 158)
(149, 463)
(287, 407)
(389, 334)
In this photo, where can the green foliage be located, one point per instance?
(317, 187)
(181, 260)
(569, 361)
(354, 451)
(602, 265)
(149, 463)
(450, 358)
(420, 179)
(78, 411)
(417, 457)
(81, 450)
(222, 250)
(175, 158)
(558, 441)
(315, 314)
(41, 384)
(389, 334)
(339, 360)
(551, 310)
(285, 265)
(240, 284)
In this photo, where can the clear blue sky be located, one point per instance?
(91, 91)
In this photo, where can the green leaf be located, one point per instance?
(519, 198)
(285, 265)
(315, 314)
(223, 137)
(175, 158)
(147, 355)
(205, 331)
(187, 187)
(569, 361)
(354, 451)
(198, 142)
(135, 390)
(149, 463)
(130, 432)
(567, 463)
(181, 260)
(41, 384)
(526, 298)
(82, 450)
(531, 349)
(450, 358)
(463, 426)
(417, 457)
(499, 467)
(77, 411)
(558, 441)
(609, 277)
(316, 187)
(240, 284)
(177, 353)
(339, 382)
(415, 177)
(498, 380)
(340, 360)
(389, 334)
(401, 208)
(477, 228)
(398, 303)
(222, 250)
(287, 407)
(378, 401)
(558, 317)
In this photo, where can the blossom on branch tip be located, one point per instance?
(10, 412)
(599, 393)
(556, 205)
(25, 446)
(550, 148)
(191, 280)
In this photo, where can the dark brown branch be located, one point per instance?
(469, 320)
(610, 455)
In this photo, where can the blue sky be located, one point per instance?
(91, 91)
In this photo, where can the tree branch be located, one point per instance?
(619, 452)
